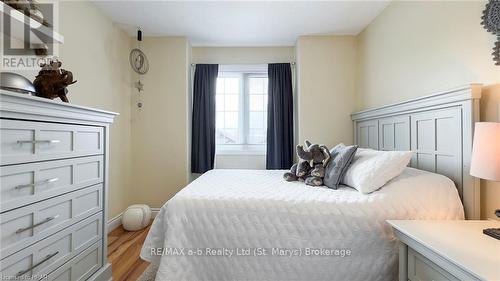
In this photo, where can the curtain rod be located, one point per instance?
(194, 64)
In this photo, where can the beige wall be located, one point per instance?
(419, 47)
(96, 51)
(242, 55)
(148, 147)
(326, 90)
(416, 48)
(160, 128)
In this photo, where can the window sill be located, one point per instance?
(240, 150)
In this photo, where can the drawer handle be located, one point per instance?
(20, 230)
(48, 257)
(36, 183)
(38, 141)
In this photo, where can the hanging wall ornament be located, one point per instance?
(491, 17)
(139, 61)
(140, 64)
(496, 51)
(491, 22)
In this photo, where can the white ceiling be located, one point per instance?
(243, 23)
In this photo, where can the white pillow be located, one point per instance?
(371, 169)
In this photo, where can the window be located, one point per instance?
(241, 111)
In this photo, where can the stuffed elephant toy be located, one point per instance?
(313, 159)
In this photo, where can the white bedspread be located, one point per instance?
(220, 226)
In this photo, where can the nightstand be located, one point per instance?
(447, 250)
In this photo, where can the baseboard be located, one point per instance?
(104, 274)
(115, 222)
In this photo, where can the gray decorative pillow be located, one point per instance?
(340, 159)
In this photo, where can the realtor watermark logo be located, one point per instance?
(254, 252)
(24, 277)
(28, 37)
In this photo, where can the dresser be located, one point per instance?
(54, 161)
(447, 250)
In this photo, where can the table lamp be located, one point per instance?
(485, 162)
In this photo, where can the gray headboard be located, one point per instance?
(438, 127)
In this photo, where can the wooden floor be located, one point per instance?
(123, 253)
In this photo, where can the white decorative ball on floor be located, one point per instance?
(136, 217)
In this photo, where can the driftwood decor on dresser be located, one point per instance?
(52, 80)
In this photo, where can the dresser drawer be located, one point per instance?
(26, 141)
(80, 267)
(27, 183)
(420, 268)
(50, 253)
(27, 225)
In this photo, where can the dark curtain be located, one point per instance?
(279, 117)
(203, 134)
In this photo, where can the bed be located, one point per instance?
(252, 225)
(226, 211)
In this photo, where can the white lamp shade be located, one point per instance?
(485, 162)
